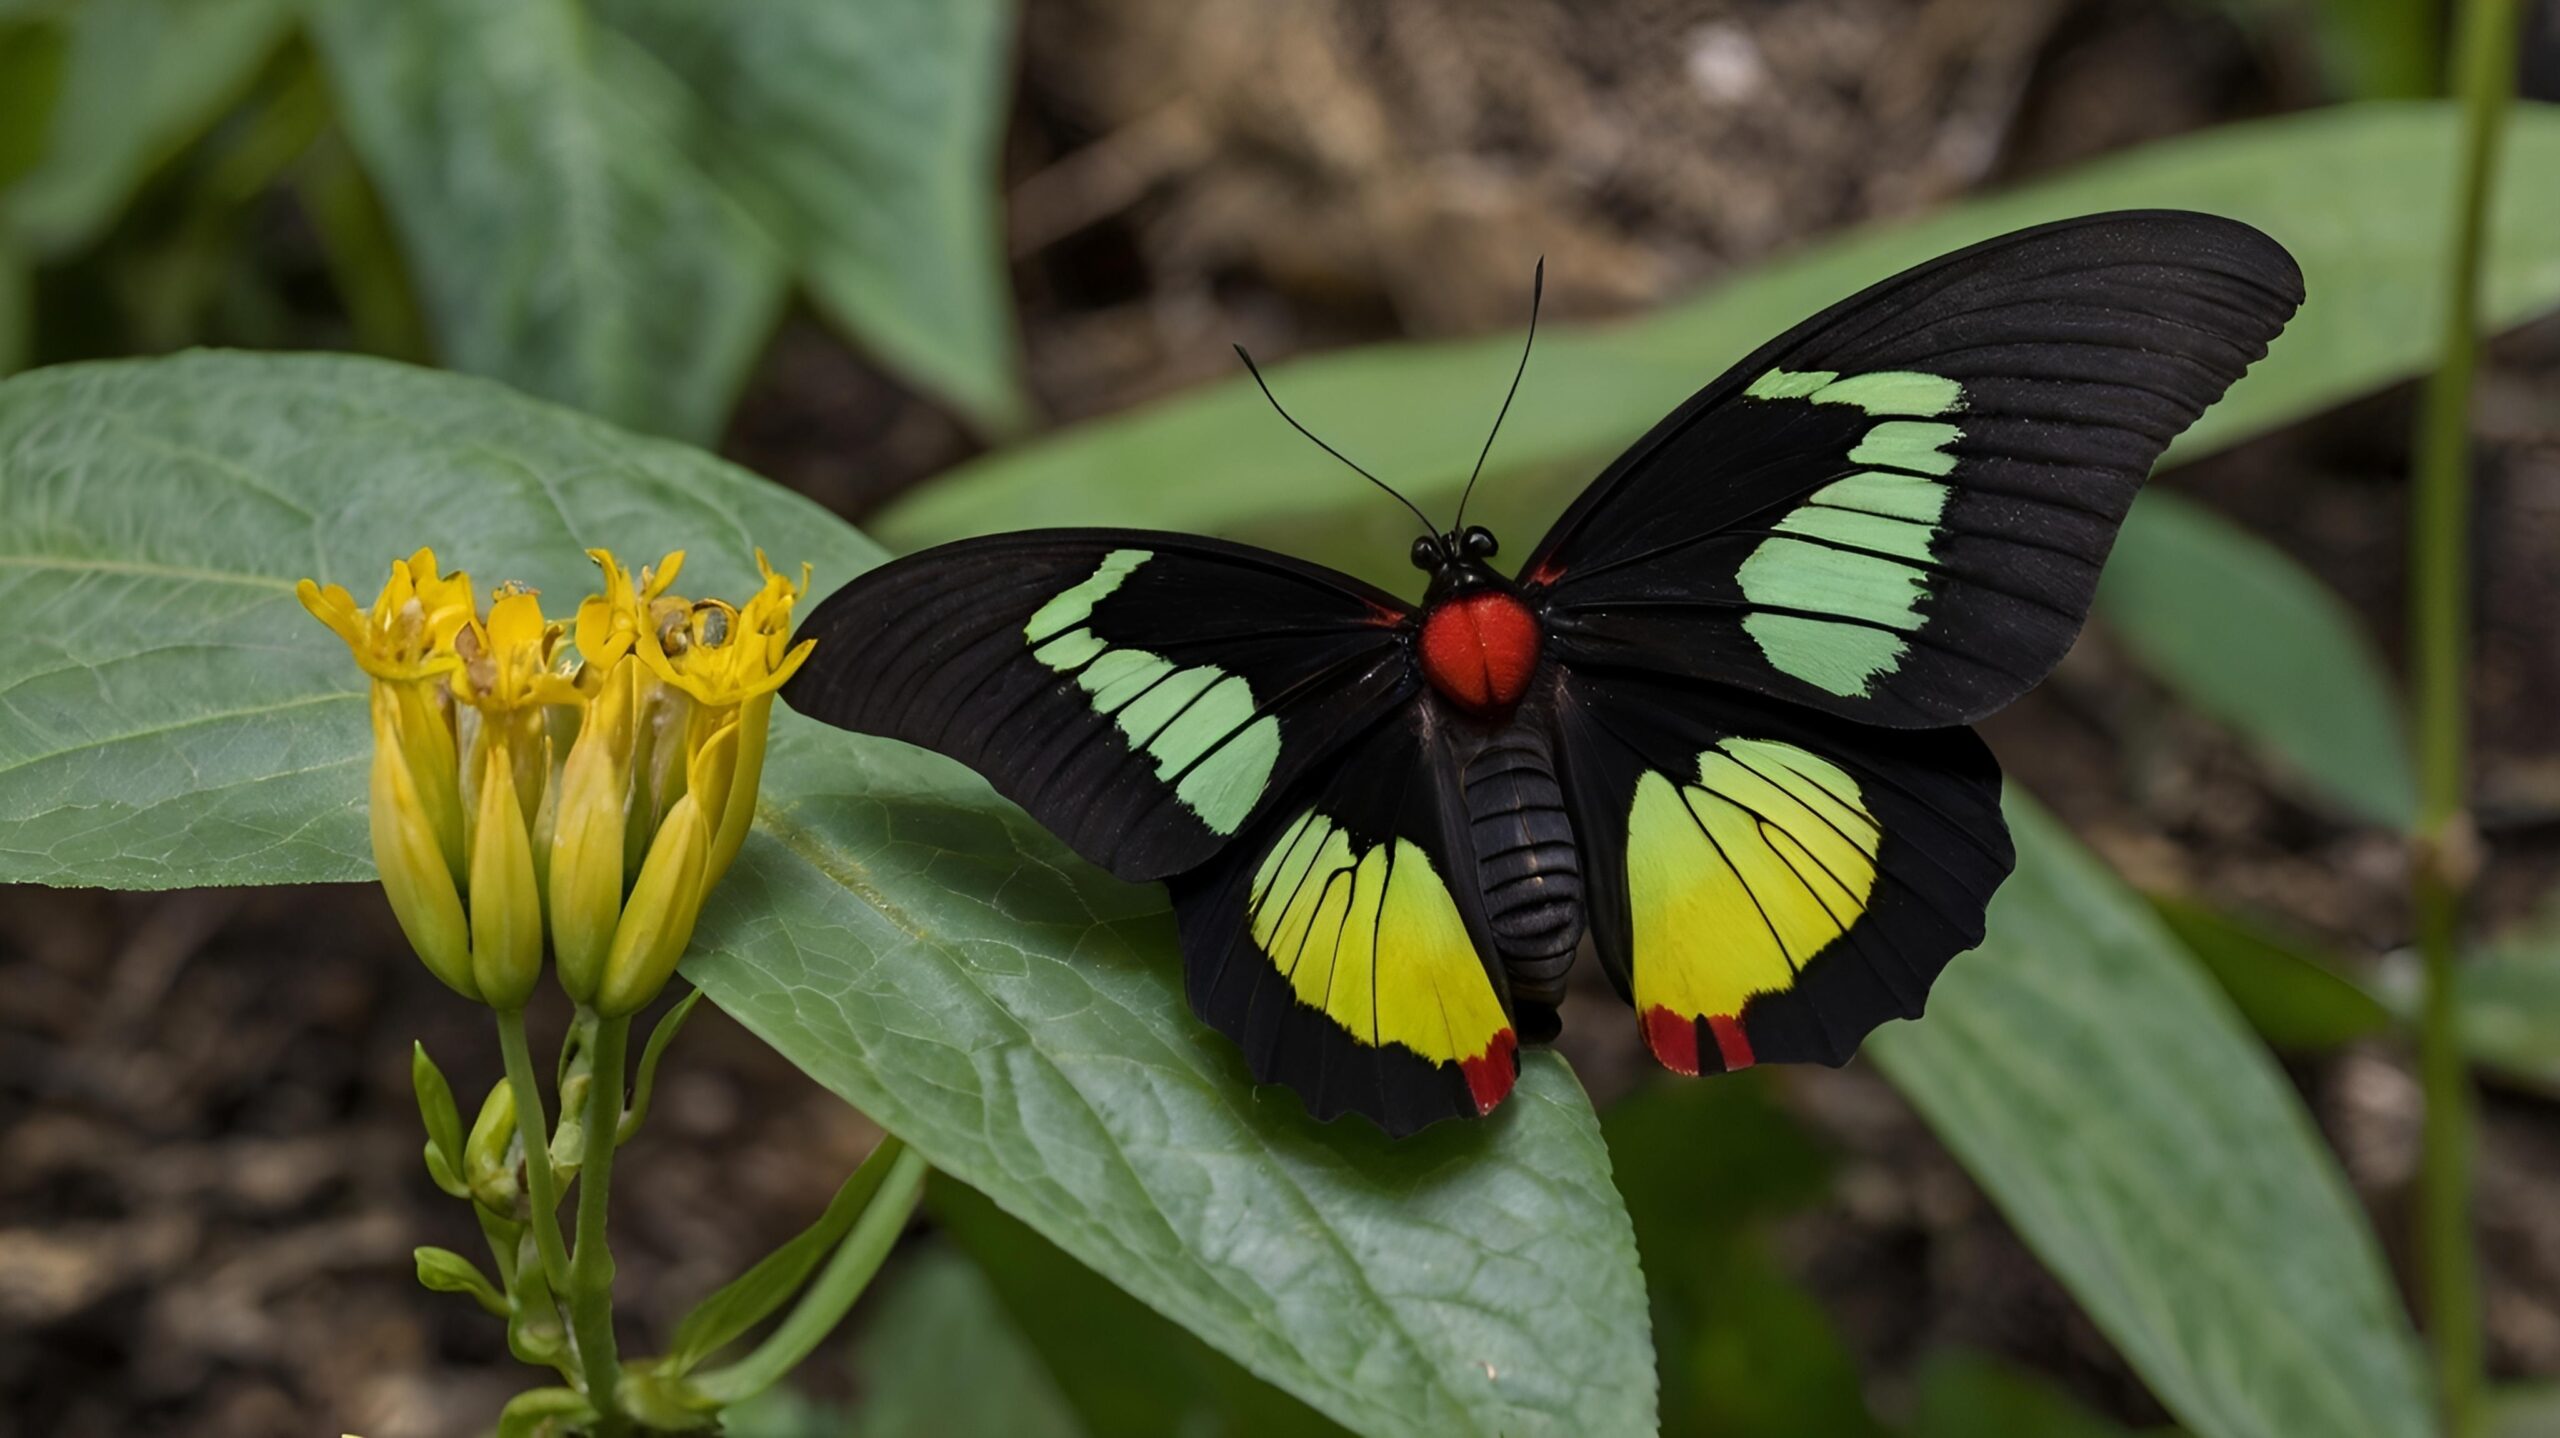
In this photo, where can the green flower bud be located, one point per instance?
(445, 1271)
(587, 833)
(411, 857)
(443, 1122)
(506, 902)
(487, 1166)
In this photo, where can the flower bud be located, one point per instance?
(588, 830)
(443, 1122)
(411, 857)
(506, 905)
(445, 1271)
(486, 1165)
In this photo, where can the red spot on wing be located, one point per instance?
(1545, 575)
(1731, 1042)
(1478, 649)
(1673, 1039)
(1490, 1074)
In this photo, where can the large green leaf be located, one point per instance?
(2252, 639)
(169, 717)
(2356, 192)
(2149, 1151)
(561, 239)
(133, 81)
(939, 1356)
(866, 138)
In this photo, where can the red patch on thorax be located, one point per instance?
(1490, 1073)
(1479, 648)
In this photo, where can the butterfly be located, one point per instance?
(1715, 720)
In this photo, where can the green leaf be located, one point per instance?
(2240, 631)
(866, 138)
(1745, 1348)
(2356, 192)
(560, 239)
(744, 1301)
(939, 1355)
(137, 80)
(1973, 1395)
(173, 718)
(2145, 1147)
(2295, 996)
(1122, 1366)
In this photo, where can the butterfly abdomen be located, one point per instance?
(1526, 863)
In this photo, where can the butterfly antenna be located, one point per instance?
(1537, 292)
(1256, 372)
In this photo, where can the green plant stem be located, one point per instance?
(542, 1191)
(832, 1293)
(2444, 851)
(590, 1290)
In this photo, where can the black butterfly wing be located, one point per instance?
(1340, 944)
(1896, 512)
(1767, 883)
(1145, 696)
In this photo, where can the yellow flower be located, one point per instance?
(485, 842)
(419, 831)
(668, 762)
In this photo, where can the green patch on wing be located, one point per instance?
(1854, 577)
(1197, 723)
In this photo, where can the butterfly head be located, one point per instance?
(1456, 562)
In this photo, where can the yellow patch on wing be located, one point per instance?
(1370, 936)
(1739, 877)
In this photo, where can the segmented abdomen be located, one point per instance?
(1526, 861)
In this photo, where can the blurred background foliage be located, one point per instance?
(969, 265)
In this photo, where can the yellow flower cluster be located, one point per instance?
(602, 778)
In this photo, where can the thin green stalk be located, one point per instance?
(542, 1191)
(590, 1291)
(830, 1296)
(2444, 849)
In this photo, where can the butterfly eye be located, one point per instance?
(1480, 542)
(1426, 554)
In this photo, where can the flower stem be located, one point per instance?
(2443, 847)
(542, 1191)
(590, 1290)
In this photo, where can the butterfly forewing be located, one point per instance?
(1897, 511)
(1143, 695)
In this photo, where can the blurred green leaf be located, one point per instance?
(2508, 996)
(1745, 1350)
(560, 239)
(2354, 191)
(32, 52)
(1961, 1394)
(940, 1356)
(1123, 1367)
(2239, 630)
(2147, 1149)
(173, 718)
(136, 80)
(2529, 1410)
(866, 139)
(2294, 996)
(2368, 49)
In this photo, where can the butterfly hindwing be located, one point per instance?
(1768, 883)
(1145, 696)
(1341, 945)
(1897, 511)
